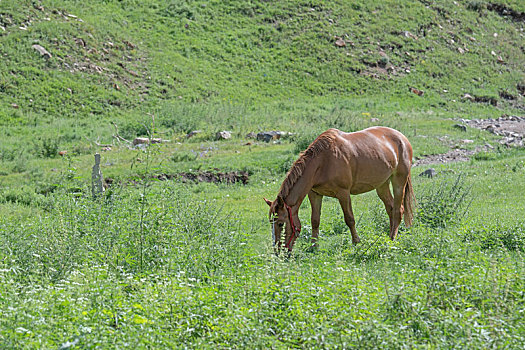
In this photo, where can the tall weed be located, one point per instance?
(444, 204)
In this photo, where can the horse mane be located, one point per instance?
(325, 141)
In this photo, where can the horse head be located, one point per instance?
(281, 215)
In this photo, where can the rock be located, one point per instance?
(340, 42)
(145, 140)
(251, 135)
(469, 97)
(430, 173)
(417, 92)
(223, 135)
(42, 51)
(491, 129)
(268, 136)
(460, 127)
(467, 141)
(407, 34)
(193, 133)
(374, 120)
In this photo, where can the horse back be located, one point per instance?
(364, 160)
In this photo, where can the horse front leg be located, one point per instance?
(316, 200)
(346, 205)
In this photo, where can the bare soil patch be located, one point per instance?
(454, 155)
(510, 128)
(229, 178)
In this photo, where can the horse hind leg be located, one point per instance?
(316, 200)
(346, 205)
(399, 182)
(385, 195)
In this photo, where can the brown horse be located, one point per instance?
(338, 164)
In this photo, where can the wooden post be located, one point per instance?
(97, 180)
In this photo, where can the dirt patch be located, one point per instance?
(455, 155)
(510, 128)
(229, 178)
(506, 11)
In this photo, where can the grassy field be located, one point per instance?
(173, 264)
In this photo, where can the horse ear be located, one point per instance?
(269, 202)
(280, 201)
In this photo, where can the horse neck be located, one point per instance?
(302, 186)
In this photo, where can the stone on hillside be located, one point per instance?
(491, 128)
(251, 135)
(469, 97)
(223, 135)
(417, 91)
(268, 136)
(193, 133)
(145, 140)
(430, 173)
(340, 42)
(42, 51)
(407, 34)
(461, 127)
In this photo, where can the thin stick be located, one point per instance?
(117, 136)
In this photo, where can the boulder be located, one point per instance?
(430, 173)
(461, 127)
(193, 133)
(268, 136)
(145, 140)
(223, 135)
(42, 51)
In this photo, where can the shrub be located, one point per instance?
(46, 147)
(444, 204)
(303, 141)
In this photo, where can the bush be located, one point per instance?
(303, 141)
(46, 147)
(444, 204)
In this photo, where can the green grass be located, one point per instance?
(156, 264)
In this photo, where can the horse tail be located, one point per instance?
(409, 202)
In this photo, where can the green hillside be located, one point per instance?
(130, 55)
(161, 261)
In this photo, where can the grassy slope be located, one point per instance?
(171, 269)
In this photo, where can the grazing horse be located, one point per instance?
(338, 164)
